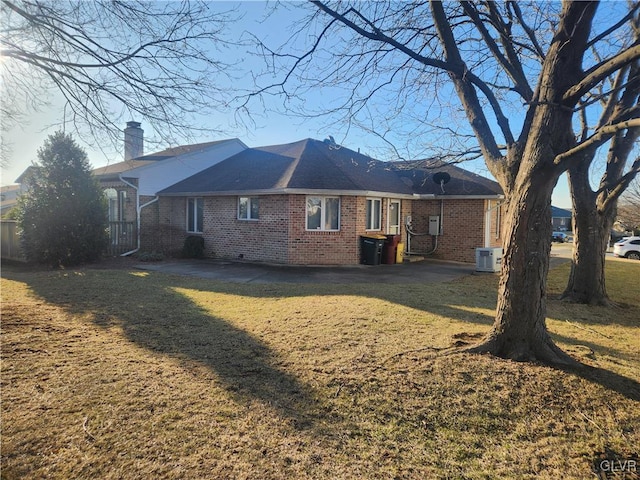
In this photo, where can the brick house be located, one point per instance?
(310, 202)
(131, 185)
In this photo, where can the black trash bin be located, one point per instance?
(371, 250)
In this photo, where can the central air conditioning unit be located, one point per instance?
(488, 259)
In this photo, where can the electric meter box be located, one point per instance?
(434, 225)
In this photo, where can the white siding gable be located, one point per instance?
(162, 174)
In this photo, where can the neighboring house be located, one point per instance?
(9, 198)
(131, 185)
(10, 193)
(309, 202)
(561, 219)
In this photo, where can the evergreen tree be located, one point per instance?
(63, 214)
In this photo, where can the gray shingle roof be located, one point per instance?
(119, 167)
(308, 164)
(314, 165)
(179, 150)
(419, 174)
(560, 212)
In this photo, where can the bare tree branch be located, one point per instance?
(602, 136)
(453, 67)
(114, 61)
(529, 31)
(599, 72)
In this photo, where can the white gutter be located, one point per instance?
(138, 211)
(297, 191)
(352, 193)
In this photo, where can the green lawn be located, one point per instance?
(118, 374)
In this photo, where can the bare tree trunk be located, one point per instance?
(519, 331)
(591, 232)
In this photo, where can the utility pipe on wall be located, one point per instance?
(411, 233)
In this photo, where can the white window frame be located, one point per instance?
(197, 228)
(399, 225)
(112, 201)
(323, 213)
(250, 201)
(370, 220)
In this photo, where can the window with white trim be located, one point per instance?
(248, 208)
(116, 203)
(323, 213)
(112, 202)
(195, 214)
(373, 213)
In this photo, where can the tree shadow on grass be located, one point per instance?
(409, 296)
(625, 386)
(153, 315)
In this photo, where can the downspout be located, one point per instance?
(138, 211)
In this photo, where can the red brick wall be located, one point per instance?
(224, 235)
(324, 248)
(262, 240)
(462, 228)
(334, 248)
(171, 230)
(280, 234)
(497, 221)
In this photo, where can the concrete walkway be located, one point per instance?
(426, 271)
(237, 272)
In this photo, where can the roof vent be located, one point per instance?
(441, 178)
(332, 143)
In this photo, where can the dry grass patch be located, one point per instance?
(119, 374)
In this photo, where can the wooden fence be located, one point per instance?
(10, 241)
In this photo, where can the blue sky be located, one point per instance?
(269, 127)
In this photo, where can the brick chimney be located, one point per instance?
(133, 141)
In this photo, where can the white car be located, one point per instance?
(628, 247)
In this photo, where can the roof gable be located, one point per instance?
(251, 169)
(179, 150)
(114, 169)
